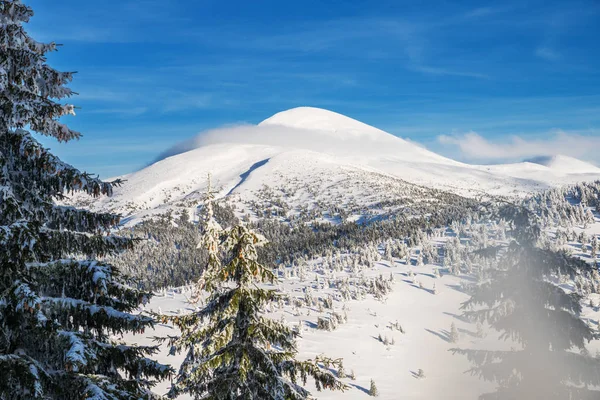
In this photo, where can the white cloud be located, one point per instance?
(448, 72)
(472, 146)
(371, 37)
(482, 12)
(547, 53)
(335, 143)
(179, 101)
(121, 111)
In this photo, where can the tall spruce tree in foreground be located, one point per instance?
(523, 303)
(233, 351)
(210, 234)
(59, 307)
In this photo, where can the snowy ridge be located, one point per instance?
(565, 164)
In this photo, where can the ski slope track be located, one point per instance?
(305, 145)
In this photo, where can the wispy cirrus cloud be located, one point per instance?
(114, 22)
(121, 111)
(482, 12)
(406, 42)
(448, 72)
(177, 101)
(547, 53)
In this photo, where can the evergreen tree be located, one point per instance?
(522, 303)
(480, 333)
(341, 371)
(453, 333)
(233, 351)
(210, 231)
(373, 392)
(59, 306)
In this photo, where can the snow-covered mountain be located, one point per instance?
(317, 153)
(304, 157)
(565, 164)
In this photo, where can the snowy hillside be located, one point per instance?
(565, 165)
(316, 149)
(388, 338)
(425, 317)
(305, 158)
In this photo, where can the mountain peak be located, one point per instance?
(319, 119)
(565, 164)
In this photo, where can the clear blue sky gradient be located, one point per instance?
(152, 73)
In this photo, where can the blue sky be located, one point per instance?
(521, 77)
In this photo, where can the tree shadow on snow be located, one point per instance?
(310, 324)
(458, 288)
(443, 334)
(362, 389)
(415, 375)
(376, 338)
(412, 284)
(467, 332)
(461, 318)
(430, 291)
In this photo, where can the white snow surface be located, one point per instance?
(304, 145)
(425, 317)
(566, 164)
(318, 119)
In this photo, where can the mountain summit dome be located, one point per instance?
(338, 125)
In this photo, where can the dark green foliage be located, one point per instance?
(166, 254)
(58, 305)
(233, 351)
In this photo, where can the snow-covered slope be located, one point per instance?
(426, 306)
(316, 149)
(565, 165)
(340, 135)
(425, 317)
(306, 156)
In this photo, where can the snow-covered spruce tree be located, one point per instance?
(210, 232)
(373, 392)
(233, 351)
(540, 319)
(58, 305)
